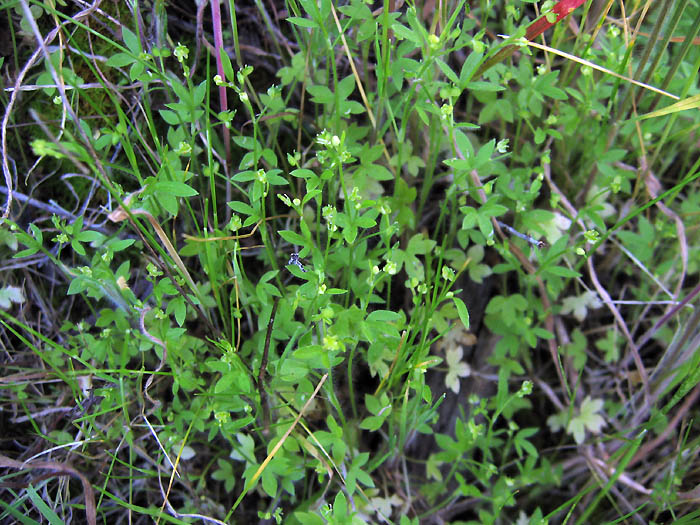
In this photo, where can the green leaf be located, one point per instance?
(302, 22)
(340, 507)
(464, 143)
(447, 71)
(89, 236)
(179, 308)
(373, 404)
(309, 352)
(174, 188)
(470, 216)
(225, 473)
(275, 179)
(131, 41)
(10, 239)
(507, 308)
(321, 94)
(643, 244)
(199, 93)
(120, 60)
(589, 412)
(484, 86)
(418, 244)
(588, 418)
(557, 421)
(383, 316)
(77, 247)
(346, 87)
(469, 67)
(610, 345)
(350, 233)
(462, 311)
(502, 389)
(485, 225)
(456, 368)
(477, 271)
(9, 295)
(121, 244)
(248, 143)
(46, 511)
(491, 208)
(355, 473)
(77, 285)
(227, 66)
(403, 32)
(269, 482)
(561, 271)
(170, 117)
(576, 349)
(579, 305)
(372, 423)
(367, 219)
(309, 518)
(432, 469)
(241, 207)
(520, 441)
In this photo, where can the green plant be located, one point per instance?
(265, 299)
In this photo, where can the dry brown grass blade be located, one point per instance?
(346, 48)
(393, 363)
(234, 237)
(358, 81)
(692, 102)
(157, 342)
(60, 469)
(279, 444)
(317, 456)
(622, 22)
(327, 466)
(120, 214)
(595, 66)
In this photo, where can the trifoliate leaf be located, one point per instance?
(477, 271)
(456, 368)
(9, 295)
(578, 305)
(588, 418)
